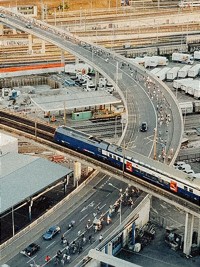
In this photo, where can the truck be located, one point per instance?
(155, 61)
(173, 73)
(194, 71)
(161, 61)
(186, 107)
(178, 83)
(183, 72)
(183, 58)
(197, 55)
(79, 67)
(162, 73)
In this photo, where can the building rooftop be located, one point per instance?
(73, 100)
(23, 176)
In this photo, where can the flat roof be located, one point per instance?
(66, 100)
(23, 176)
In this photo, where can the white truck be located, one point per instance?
(183, 72)
(173, 73)
(183, 58)
(178, 83)
(186, 107)
(194, 71)
(162, 73)
(161, 61)
(197, 55)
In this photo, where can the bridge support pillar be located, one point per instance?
(1, 28)
(43, 48)
(198, 240)
(96, 77)
(30, 43)
(77, 173)
(76, 60)
(62, 57)
(189, 225)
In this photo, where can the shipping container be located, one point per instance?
(196, 105)
(186, 107)
(178, 83)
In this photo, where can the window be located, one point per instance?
(110, 155)
(185, 188)
(118, 158)
(191, 190)
(114, 157)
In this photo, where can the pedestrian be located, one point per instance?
(90, 238)
(79, 233)
(95, 228)
(100, 238)
(47, 258)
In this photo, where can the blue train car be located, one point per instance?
(80, 141)
(145, 168)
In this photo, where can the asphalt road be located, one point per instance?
(103, 196)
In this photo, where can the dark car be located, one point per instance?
(30, 250)
(2, 15)
(143, 127)
(54, 230)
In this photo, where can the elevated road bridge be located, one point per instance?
(129, 81)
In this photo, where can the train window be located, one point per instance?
(191, 190)
(114, 157)
(185, 188)
(118, 158)
(110, 155)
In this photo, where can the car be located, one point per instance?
(143, 127)
(29, 26)
(2, 15)
(30, 250)
(54, 230)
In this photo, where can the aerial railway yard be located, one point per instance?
(112, 31)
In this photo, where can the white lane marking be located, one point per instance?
(83, 218)
(108, 194)
(102, 206)
(50, 244)
(97, 205)
(84, 208)
(89, 205)
(31, 259)
(67, 231)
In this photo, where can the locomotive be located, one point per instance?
(143, 167)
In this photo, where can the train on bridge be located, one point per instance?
(133, 163)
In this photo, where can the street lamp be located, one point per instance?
(120, 190)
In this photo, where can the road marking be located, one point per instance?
(102, 206)
(50, 244)
(31, 259)
(84, 208)
(97, 205)
(67, 231)
(108, 194)
(83, 217)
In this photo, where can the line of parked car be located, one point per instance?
(181, 165)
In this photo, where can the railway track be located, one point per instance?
(26, 126)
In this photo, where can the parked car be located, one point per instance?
(2, 15)
(30, 250)
(143, 127)
(29, 26)
(54, 230)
